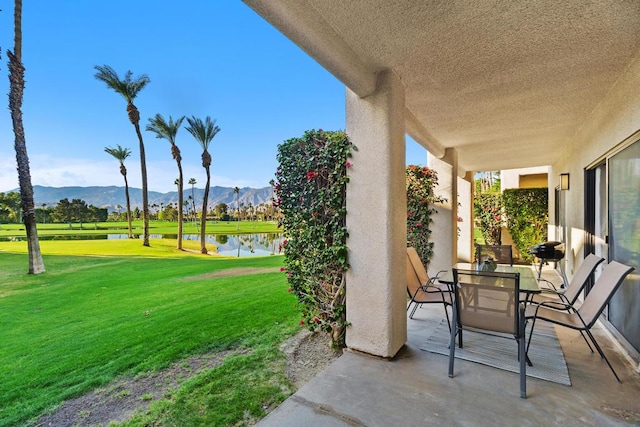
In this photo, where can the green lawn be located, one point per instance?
(91, 319)
(155, 227)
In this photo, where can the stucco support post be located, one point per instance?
(465, 211)
(376, 220)
(444, 228)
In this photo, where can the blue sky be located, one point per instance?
(215, 58)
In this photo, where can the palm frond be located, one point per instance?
(128, 88)
(120, 153)
(202, 131)
(163, 129)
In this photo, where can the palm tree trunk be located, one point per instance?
(203, 246)
(145, 194)
(16, 79)
(126, 193)
(180, 197)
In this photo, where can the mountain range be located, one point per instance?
(112, 196)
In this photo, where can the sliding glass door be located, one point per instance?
(624, 239)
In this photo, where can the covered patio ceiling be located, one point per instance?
(506, 83)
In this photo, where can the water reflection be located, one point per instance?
(236, 245)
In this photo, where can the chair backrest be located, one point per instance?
(579, 280)
(413, 282)
(502, 254)
(487, 300)
(607, 284)
(416, 262)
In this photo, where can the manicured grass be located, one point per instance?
(91, 319)
(155, 227)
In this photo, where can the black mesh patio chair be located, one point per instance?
(501, 254)
(423, 289)
(586, 316)
(488, 302)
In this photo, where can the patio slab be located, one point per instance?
(413, 389)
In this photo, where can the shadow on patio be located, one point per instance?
(413, 389)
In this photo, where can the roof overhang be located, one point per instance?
(507, 84)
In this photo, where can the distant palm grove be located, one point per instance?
(78, 211)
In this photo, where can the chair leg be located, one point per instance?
(533, 325)
(446, 313)
(522, 354)
(587, 341)
(452, 343)
(415, 307)
(595, 343)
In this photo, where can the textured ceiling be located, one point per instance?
(507, 83)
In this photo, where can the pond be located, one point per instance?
(236, 245)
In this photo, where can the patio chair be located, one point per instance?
(501, 254)
(570, 294)
(488, 302)
(422, 289)
(586, 316)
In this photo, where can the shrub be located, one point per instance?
(527, 217)
(421, 182)
(311, 194)
(487, 209)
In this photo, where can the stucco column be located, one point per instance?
(465, 212)
(376, 220)
(444, 228)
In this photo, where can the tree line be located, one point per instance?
(65, 211)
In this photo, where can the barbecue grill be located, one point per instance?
(547, 251)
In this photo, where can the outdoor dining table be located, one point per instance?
(528, 283)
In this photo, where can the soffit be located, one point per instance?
(507, 83)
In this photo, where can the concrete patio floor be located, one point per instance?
(413, 389)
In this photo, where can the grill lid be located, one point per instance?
(548, 250)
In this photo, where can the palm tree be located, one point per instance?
(193, 182)
(236, 191)
(16, 80)
(204, 132)
(168, 131)
(129, 88)
(121, 154)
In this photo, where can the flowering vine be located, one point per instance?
(311, 194)
(421, 182)
(488, 213)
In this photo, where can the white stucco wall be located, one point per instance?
(615, 119)
(510, 178)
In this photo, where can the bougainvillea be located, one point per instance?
(488, 212)
(311, 194)
(421, 182)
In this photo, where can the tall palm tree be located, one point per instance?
(236, 191)
(193, 182)
(204, 132)
(168, 131)
(129, 88)
(121, 154)
(16, 80)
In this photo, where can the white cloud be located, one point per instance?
(52, 171)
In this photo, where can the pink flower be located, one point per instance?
(348, 164)
(284, 242)
(301, 322)
(316, 320)
(311, 175)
